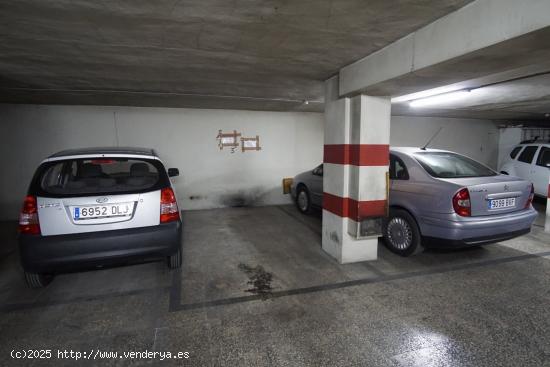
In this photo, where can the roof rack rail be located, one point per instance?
(536, 140)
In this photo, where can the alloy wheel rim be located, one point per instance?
(399, 233)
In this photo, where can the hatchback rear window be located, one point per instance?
(99, 176)
(452, 165)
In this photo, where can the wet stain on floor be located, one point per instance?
(259, 279)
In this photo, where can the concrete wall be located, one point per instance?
(185, 138)
(509, 137)
(477, 139)
(291, 143)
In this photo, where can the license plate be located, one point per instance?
(502, 203)
(102, 211)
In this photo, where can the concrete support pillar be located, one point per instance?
(547, 221)
(356, 159)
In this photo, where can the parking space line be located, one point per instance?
(353, 283)
(313, 228)
(175, 286)
(374, 269)
(10, 307)
(175, 290)
(533, 238)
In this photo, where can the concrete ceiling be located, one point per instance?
(249, 54)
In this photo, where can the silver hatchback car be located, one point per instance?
(440, 198)
(98, 206)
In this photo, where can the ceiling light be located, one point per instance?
(440, 99)
(426, 93)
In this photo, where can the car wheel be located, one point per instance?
(37, 280)
(401, 233)
(174, 261)
(303, 201)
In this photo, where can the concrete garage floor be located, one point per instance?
(484, 306)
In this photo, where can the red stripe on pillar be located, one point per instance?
(367, 209)
(357, 154)
(353, 209)
(370, 154)
(548, 191)
(336, 153)
(335, 204)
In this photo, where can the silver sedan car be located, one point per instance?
(440, 198)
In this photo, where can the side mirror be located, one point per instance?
(173, 172)
(317, 172)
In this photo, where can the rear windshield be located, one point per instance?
(100, 176)
(451, 165)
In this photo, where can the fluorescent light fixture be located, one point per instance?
(426, 93)
(440, 99)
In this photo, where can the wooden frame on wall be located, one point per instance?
(229, 140)
(250, 143)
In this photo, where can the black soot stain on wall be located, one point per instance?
(242, 198)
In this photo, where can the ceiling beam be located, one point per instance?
(482, 38)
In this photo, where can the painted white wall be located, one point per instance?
(477, 139)
(291, 142)
(509, 137)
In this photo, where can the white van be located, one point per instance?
(530, 160)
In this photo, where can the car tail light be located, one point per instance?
(169, 211)
(28, 218)
(461, 203)
(102, 161)
(530, 198)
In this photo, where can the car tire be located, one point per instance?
(174, 261)
(34, 280)
(303, 200)
(401, 233)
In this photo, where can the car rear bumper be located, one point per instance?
(51, 254)
(472, 231)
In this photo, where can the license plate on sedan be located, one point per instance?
(102, 211)
(502, 203)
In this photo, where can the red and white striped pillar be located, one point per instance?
(356, 159)
(547, 220)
